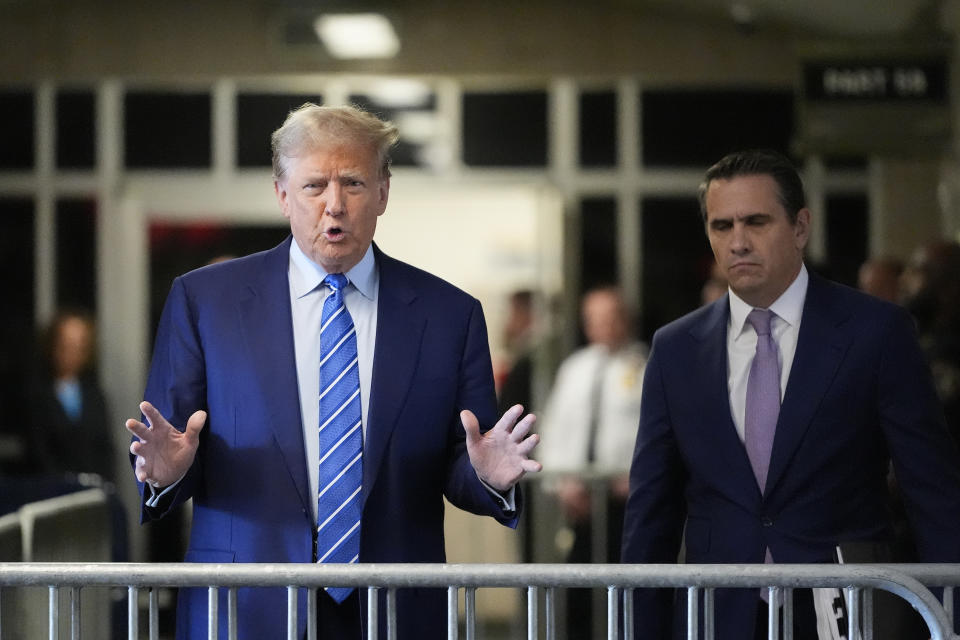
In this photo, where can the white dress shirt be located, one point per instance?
(742, 342)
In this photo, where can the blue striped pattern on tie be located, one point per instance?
(341, 436)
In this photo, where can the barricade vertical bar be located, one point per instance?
(867, 622)
(693, 595)
(628, 613)
(773, 613)
(948, 603)
(453, 623)
(533, 601)
(133, 612)
(153, 613)
(550, 611)
(470, 606)
(311, 613)
(613, 620)
(709, 613)
(54, 613)
(74, 613)
(391, 614)
(373, 616)
(213, 615)
(853, 611)
(787, 613)
(291, 612)
(1, 615)
(232, 613)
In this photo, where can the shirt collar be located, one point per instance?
(306, 275)
(788, 307)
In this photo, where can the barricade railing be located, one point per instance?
(906, 581)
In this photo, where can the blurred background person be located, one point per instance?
(69, 432)
(931, 292)
(587, 431)
(880, 277)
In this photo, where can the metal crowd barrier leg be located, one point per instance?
(392, 614)
(291, 613)
(153, 615)
(773, 613)
(53, 611)
(74, 614)
(628, 613)
(613, 617)
(470, 609)
(372, 613)
(948, 604)
(853, 611)
(709, 614)
(213, 615)
(693, 595)
(232, 613)
(133, 612)
(311, 614)
(533, 602)
(867, 622)
(453, 623)
(550, 612)
(787, 613)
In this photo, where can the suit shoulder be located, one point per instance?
(847, 300)
(235, 270)
(395, 272)
(694, 322)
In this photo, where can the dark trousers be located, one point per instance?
(338, 621)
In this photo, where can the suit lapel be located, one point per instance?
(725, 453)
(400, 326)
(821, 346)
(266, 321)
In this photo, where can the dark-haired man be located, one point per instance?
(768, 418)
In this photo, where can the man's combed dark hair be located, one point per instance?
(764, 162)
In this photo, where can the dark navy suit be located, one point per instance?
(859, 394)
(225, 345)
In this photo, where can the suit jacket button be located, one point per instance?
(765, 521)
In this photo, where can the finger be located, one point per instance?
(470, 425)
(137, 428)
(195, 423)
(528, 444)
(153, 416)
(136, 447)
(531, 466)
(509, 417)
(523, 427)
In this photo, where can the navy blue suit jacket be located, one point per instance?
(225, 345)
(859, 394)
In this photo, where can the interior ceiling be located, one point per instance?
(829, 18)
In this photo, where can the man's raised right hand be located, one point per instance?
(163, 453)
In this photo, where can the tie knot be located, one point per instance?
(760, 320)
(335, 281)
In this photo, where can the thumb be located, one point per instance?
(195, 423)
(470, 424)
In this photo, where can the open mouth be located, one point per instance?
(333, 233)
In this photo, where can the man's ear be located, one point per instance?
(383, 193)
(281, 191)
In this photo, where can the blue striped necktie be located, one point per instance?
(341, 436)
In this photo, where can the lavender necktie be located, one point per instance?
(763, 397)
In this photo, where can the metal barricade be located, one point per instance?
(536, 579)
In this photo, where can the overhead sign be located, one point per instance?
(886, 80)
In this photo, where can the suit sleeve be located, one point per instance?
(925, 459)
(655, 512)
(475, 391)
(176, 386)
